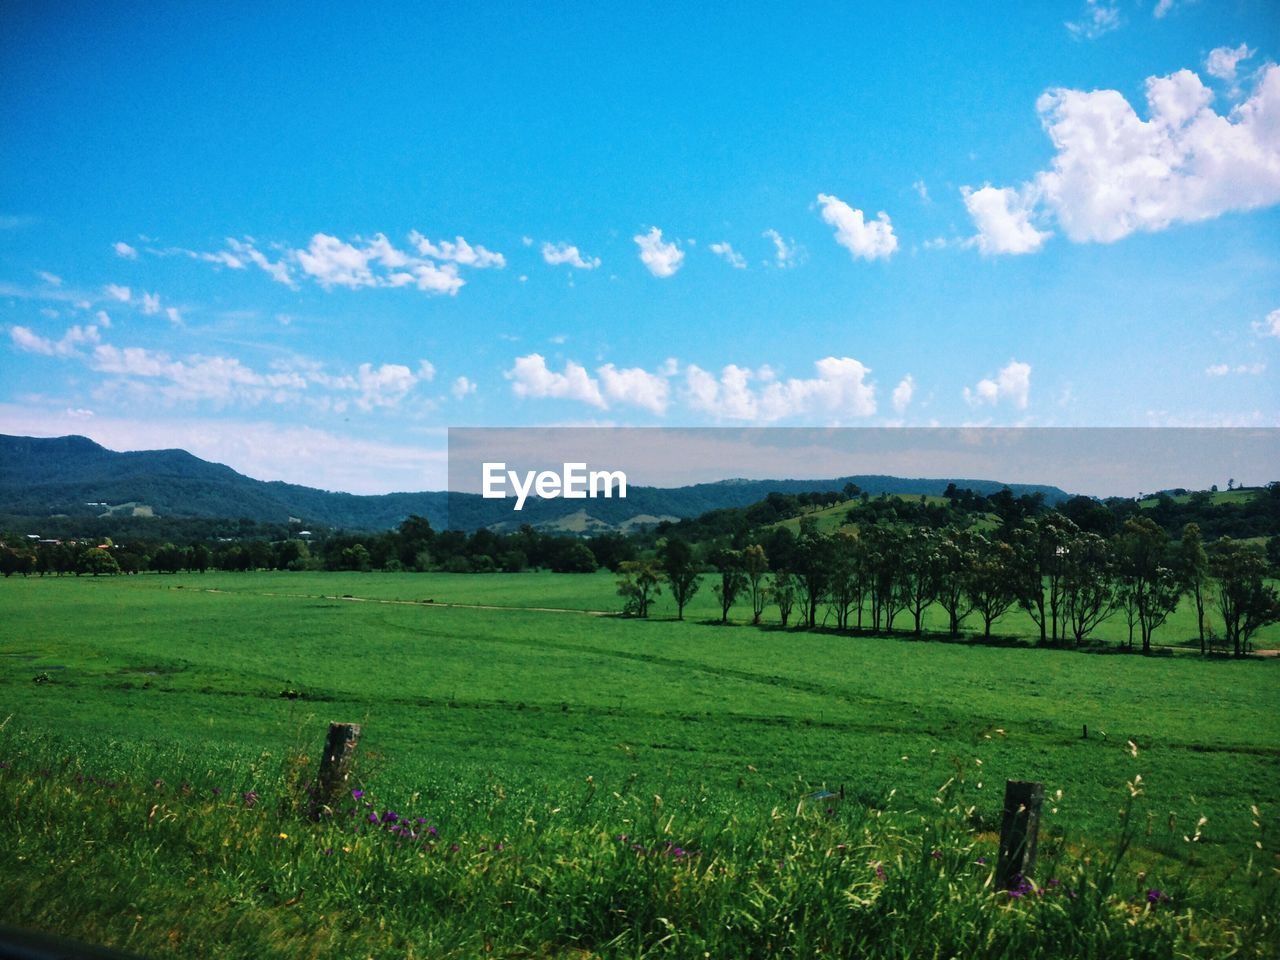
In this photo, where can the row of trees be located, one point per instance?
(1068, 580)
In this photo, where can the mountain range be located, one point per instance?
(74, 476)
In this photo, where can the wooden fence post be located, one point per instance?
(335, 767)
(1019, 831)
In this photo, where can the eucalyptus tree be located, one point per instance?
(1146, 571)
(991, 586)
(1042, 550)
(956, 550)
(1246, 602)
(680, 566)
(1089, 588)
(730, 565)
(921, 573)
(756, 565)
(1193, 567)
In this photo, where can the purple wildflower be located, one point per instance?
(250, 797)
(357, 794)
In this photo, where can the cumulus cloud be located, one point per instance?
(661, 259)
(633, 386)
(462, 387)
(558, 253)
(530, 377)
(150, 304)
(117, 292)
(636, 387)
(903, 393)
(1268, 327)
(1098, 17)
(730, 256)
(458, 251)
(1012, 384)
(1222, 61)
(864, 240)
(1114, 173)
(1003, 218)
(839, 391)
(125, 251)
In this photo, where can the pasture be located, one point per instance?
(486, 709)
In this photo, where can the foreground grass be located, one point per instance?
(153, 853)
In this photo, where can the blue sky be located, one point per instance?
(306, 241)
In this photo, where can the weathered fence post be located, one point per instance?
(1019, 831)
(335, 767)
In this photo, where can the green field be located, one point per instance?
(181, 677)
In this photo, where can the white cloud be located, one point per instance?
(1012, 383)
(1002, 216)
(1222, 61)
(631, 386)
(729, 255)
(1115, 173)
(1244, 369)
(357, 264)
(426, 370)
(117, 292)
(786, 254)
(151, 304)
(903, 393)
(104, 319)
(335, 263)
(458, 251)
(125, 251)
(52, 279)
(1098, 17)
(174, 316)
(28, 340)
(636, 387)
(530, 377)
(558, 253)
(921, 188)
(1162, 8)
(866, 240)
(661, 259)
(277, 270)
(462, 387)
(1269, 327)
(839, 391)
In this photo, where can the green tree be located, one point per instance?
(638, 585)
(783, 592)
(1193, 569)
(680, 567)
(1088, 585)
(756, 564)
(1147, 575)
(991, 586)
(956, 550)
(1244, 599)
(730, 564)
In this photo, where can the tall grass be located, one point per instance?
(166, 856)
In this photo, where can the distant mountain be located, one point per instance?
(78, 477)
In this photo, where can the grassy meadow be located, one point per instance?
(561, 758)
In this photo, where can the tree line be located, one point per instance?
(885, 577)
